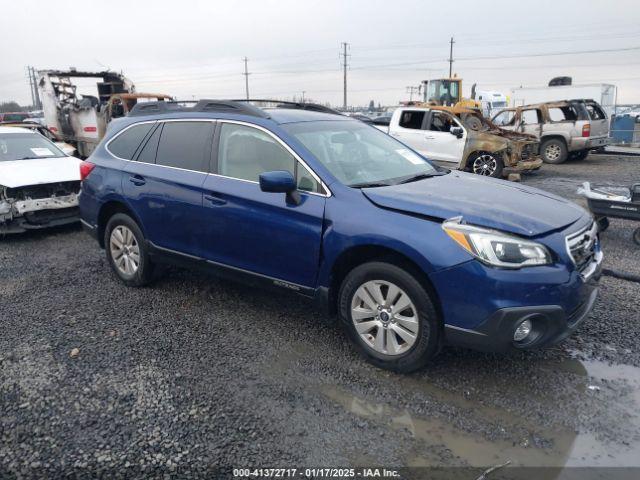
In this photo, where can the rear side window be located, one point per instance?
(412, 119)
(126, 144)
(563, 114)
(185, 145)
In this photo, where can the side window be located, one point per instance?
(504, 118)
(126, 144)
(150, 147)
(246, 152)
(440, 122)
(562, 114)
(185, 145)
(305, 181)
(530, 117)
(412, 119)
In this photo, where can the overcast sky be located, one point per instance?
(191, 48)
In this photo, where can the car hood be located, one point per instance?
(21, 173)
(481, 201)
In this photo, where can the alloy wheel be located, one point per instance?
(485, 164)
(385, 317)
(125, 250)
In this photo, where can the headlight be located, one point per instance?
(496, 248)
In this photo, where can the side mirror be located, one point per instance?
(280, 181)
(457, 131)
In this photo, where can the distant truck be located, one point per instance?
(490, 101)
(603, 93)
(81, 119)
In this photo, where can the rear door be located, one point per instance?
(410, 127)
(440, 143)
(164, 183)
(260, 232)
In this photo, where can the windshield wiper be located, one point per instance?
(421, 176)
(369, 184)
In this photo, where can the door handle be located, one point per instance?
(429, 137)
(214, 199)
(137, 180)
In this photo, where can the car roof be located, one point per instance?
(291, 115)
(14, 130)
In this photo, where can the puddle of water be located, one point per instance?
(569, 448)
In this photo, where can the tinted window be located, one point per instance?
(412, 119)
(185, 145)
(148, 152)
(530, 117)
(246, 152)
(126, 144)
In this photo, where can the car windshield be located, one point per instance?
(360, 155)
(26, 146)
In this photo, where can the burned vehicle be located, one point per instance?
(462, 138)
(82, 119)
(566, 129)
(39, 184)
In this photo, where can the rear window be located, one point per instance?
(126, 144)
(412, 119)
(185, 145)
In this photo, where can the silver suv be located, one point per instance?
(566, 129)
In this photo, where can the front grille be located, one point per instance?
(582, 246)
(529, 150)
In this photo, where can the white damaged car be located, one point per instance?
(39, 184)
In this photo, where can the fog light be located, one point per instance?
(523, 330)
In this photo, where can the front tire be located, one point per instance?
(487, 164)
(389, 316)
(553, 151)
(126, 251)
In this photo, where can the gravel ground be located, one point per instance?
(194, 373)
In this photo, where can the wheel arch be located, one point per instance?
(553, 136)
(108, 210)
(360, 254)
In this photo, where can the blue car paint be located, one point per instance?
(248, 229)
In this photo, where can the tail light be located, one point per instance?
(586, 130)
(85, 169)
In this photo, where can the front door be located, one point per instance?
(441, 144)
(260, 232)
(531, 122)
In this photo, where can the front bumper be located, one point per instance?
(34, 214)
(525, 165)
(551, 325)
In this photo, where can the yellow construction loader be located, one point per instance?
(447, 92)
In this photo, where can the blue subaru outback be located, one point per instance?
(409, 256)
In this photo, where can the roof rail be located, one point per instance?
(225, 106)
(314, 107)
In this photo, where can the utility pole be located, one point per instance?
(411, 90)
(451, 42)
(303, 92)
(345, 64)
(33, 86)
(246, 77)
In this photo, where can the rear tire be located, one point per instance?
(553, 151)
(389, 316)
(127, 251)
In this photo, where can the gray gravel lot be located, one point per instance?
(195, 373)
